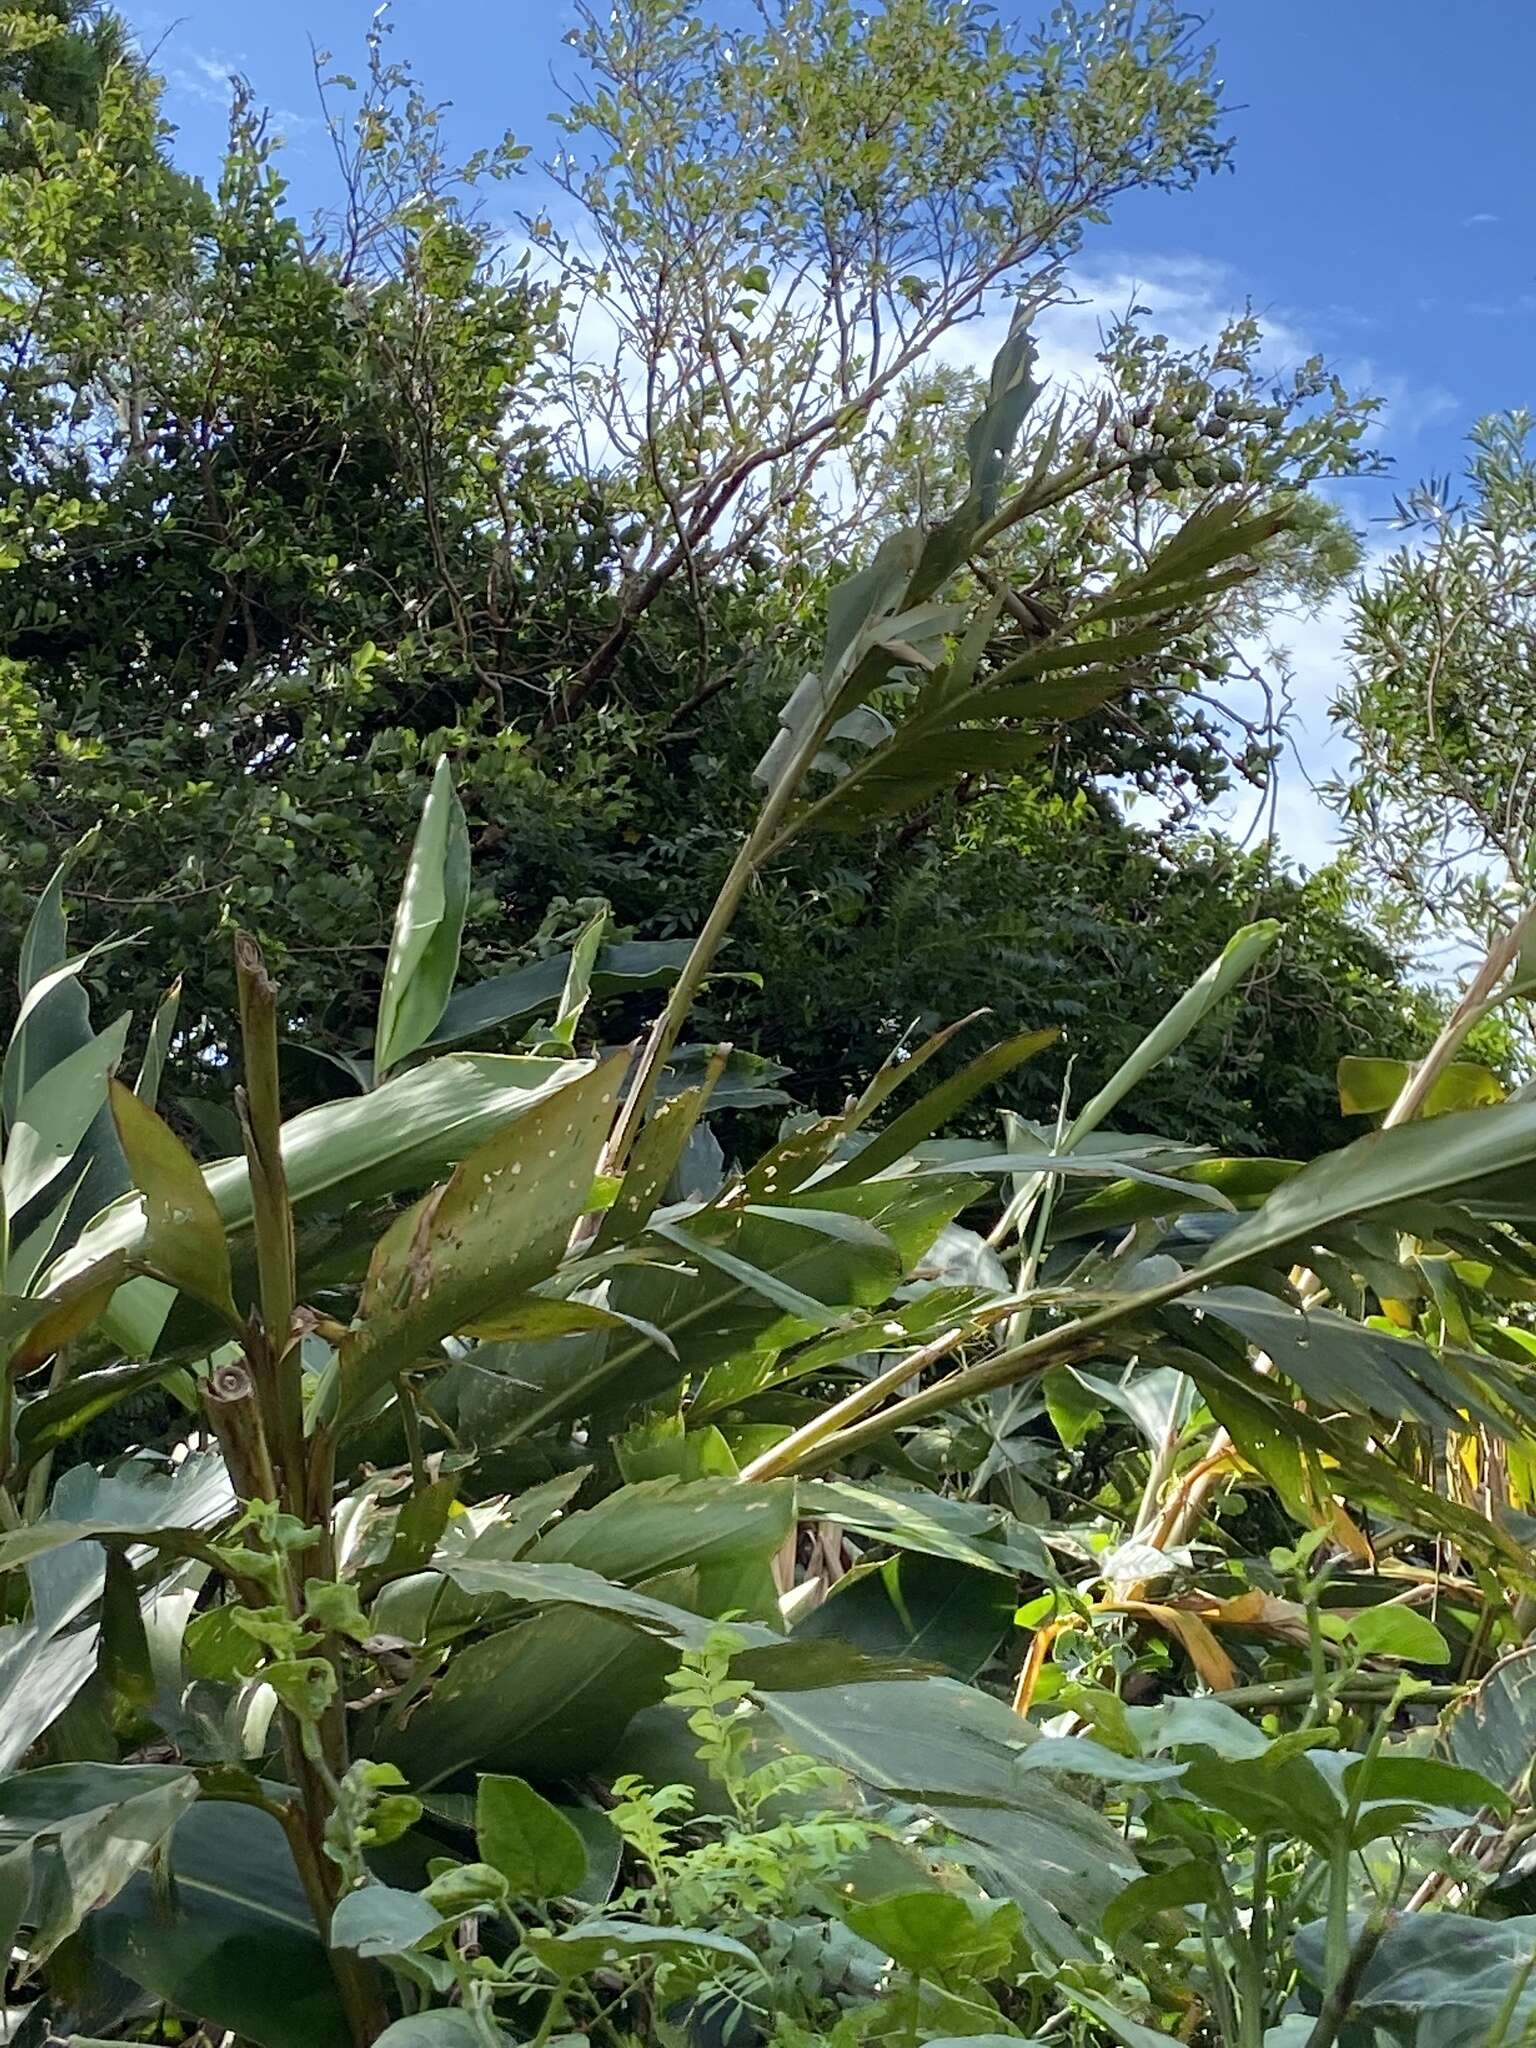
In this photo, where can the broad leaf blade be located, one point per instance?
(184, 1237)
(429, 923)
(499, 1225)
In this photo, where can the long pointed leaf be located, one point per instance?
(429, 923)
(476, 1245)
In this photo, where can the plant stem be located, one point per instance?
(1364, 1686)
(421, 1479)
(235, 1412)
(554, 2012)
(1341, 1993)
(356, 1984)
(668, 1026)
(1036, 1355)
(1474, 1005)
(280, 1377)
(35, 1497)
(791, 1454)
(1337, 1956)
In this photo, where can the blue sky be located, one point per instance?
(1380, 209)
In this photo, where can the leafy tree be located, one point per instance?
(1441, 701)
(1046, 908)
(55, 54)
(774, 225)
(286, 517)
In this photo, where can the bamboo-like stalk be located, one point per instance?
(279, 1377)
(234, 1410)
(1020, 1361)
(761, 844)
(1481, 995)
(790, 1453)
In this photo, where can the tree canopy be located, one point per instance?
(290, 511)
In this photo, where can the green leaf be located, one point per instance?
(661, 1525)
(137, 1501)
(1439, 1980)
(400, 1137)
(966, 1532)
(1227, 971)
(472, 1247)
(1197, 1723)
(1289, 1799)
(162, 1032)
(547, 1698)
(124, 1661)
(419, 1526)
(508, 1000)
(1492, 1729)
(934, 1932)
(575, 994)
(1191, 1883)
(1367, 1087)
(652, 1162)
(1128, 2032)
(429, 922)
(1448, 1158)
(540, 1316)
(450, 2028)
(951, 1751)
(184, 1237)
(1082, 1757)
(939, 1106)
(530, 1842)
(54, 1115)
(58, 1027)
(53, 1418)
(35, 1327)
(95, 1855)
(1342, 1364)
(1393, 1632)
(921, 1609)
(562, 1585)
(381, 1921)
(579, 1950)
(1243, 1183)
(228, 1935)
(1426, 1780)
(15, 1893)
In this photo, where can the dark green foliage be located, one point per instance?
(285, 520)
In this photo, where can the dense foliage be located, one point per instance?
(231, 635)
(579, 1544)
(1438, 702)
(587, 1607)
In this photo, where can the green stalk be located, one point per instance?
(234, 1408)
(35, 1496)
(801, 1445)
(1508, 2009)
(421, 1479)
(1481, 997)
(280, 1379)
(1341, 1994)
(1336, 1948)
(1036, 1355)
(764, 841)
(1362, 1687)
(1258, 1932)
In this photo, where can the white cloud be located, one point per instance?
(204, 75)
